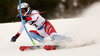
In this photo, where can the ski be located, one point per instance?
(26, 48)
(51, 47)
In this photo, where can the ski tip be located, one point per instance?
(49, 47)
(23, 48)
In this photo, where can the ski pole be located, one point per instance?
(23, 23)
(36, 13)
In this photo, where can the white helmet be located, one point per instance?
(24, 6)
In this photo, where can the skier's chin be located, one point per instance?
(23, 14)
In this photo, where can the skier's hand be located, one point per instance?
(13, 39)
(18, 16)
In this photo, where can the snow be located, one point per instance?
(85, 31)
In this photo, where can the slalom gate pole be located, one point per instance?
(24, 22)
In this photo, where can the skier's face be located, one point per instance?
(23, 11)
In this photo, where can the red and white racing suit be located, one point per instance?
(44, 27)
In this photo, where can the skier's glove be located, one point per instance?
(18, 16)
(13, 39)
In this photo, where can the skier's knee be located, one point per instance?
(36, 37)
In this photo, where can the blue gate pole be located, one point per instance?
(23, 23)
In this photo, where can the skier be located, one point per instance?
(43, 26)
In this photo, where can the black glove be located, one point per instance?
(13, 39)
(18, 16)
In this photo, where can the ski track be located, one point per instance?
(84, 30)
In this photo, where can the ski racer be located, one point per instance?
(43, 27)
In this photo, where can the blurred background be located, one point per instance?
(54, 8)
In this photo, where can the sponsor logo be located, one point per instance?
(50, 30)
(47, 27)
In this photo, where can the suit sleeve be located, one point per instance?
(21, 28)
